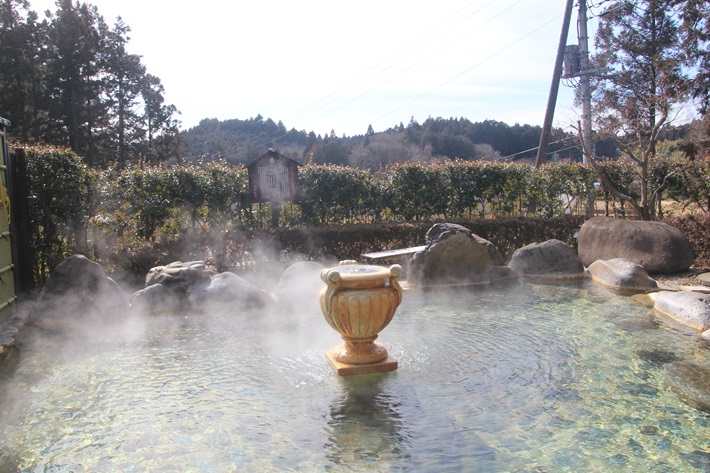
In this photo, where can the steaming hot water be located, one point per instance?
(538, 378)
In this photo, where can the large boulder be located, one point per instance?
(687, 307)
(78, 288)
(227, 291)
(156, 299)
(192, 286)
(622, 274)
(300, 282)
(179, 276)
(454, 255)
(550, 259)
(656, 246)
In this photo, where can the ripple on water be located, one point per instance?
(530, 378)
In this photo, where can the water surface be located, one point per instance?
(531, 378)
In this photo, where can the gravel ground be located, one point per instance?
(688, 278)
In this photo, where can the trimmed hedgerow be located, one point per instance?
(139, 216)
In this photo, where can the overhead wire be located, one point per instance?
(507, 8)
(387, 62)
(275, 137)
(466, 70)
(425, 58)
(536, 147)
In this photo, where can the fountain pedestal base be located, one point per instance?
(346, 369)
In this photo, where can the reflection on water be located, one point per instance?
(364, 424)
(536, 378)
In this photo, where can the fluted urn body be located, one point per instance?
(358, 302)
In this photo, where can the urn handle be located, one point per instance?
(331, 277)
(396, 273)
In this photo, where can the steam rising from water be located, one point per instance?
(530, 378)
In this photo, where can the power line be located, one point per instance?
(389, 64)
(420, 96)
(467, 70)
(273, 138)
(376, 86)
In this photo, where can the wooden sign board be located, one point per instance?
(273, 177)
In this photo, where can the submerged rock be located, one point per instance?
(550, 259)
(656, 246)
(698, 459)
(691, 382)
(622, 274)
(657, 356)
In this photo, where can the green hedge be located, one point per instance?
(139, 215)
(61, 192)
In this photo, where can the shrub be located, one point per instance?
(60, 189)
(695, 228)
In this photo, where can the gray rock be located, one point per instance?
(452, 256)
(156, 299)
(7, 337)
(79, 289)
(656, 246)
(687, 307)
(300, 282)
(550, 259)
(227, 291)
(622, 274)
(179, 276)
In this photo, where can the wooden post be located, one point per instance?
(554, 89)
(275, 213)
(20, 222)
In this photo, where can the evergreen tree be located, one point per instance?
(695, 33)
(125, 76)
(157, 116)
(78, 109)
(21, 55)
(641, 42)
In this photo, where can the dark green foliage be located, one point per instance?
(695, 228)
(240, 141)
(335, 194)
(68, 81)
(139, 216)
(455, 137)
(60, 191)
(415, 191)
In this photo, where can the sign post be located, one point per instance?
(273, 178)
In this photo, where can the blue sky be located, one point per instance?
(322, 65)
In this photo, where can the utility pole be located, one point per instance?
(554, 88)
(583, 40)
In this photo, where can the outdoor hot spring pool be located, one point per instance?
(535, 378)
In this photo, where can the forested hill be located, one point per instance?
(239, 141)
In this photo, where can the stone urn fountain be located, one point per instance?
(359, 301)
